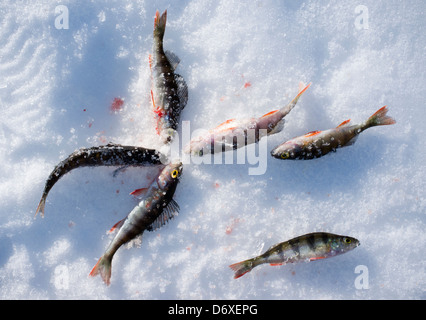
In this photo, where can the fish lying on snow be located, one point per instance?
(318, 143)
(169, 91)
(108, 155)
(234, 134)
(309, 247)
(155, 209)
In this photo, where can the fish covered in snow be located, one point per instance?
(154, 210)
(318, 143)
(108, 155)
(308, 247)
(169, 93)
(233, 134)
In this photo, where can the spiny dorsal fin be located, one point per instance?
(168, 213)
(173, 59)
(182, 90)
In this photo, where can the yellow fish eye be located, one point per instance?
(174, 174)
(285, 155)
(347, 240)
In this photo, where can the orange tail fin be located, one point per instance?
(241, 268)
(380, 118)
(103, 267)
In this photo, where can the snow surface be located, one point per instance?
(239, 59)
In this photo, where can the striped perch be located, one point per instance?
(308, 247)
(169, 93)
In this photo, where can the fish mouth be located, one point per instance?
(275, 153)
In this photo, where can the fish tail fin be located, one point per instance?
(290, 106)
(160, 24)
(379, 118)
(103, 267)
(40, 207)
(241, 268)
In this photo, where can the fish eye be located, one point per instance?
(285, 155)
(347, 240)
(174, 174)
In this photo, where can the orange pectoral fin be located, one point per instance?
(139, 192)
(312, 133)
(276, 264)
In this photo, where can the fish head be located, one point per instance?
(287, 150)
(342, 244)
(170, 175)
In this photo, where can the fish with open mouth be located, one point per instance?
(169, 93)
(308, 247)
(154, 210)
(108, 155)
(233, 134)
(315, 144)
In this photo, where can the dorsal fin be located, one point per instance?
(173, 59)
(344, 123)
(269, 113)
(168, 213)
(182, 90)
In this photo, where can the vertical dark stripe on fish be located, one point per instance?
(294, 245)
(324, 237)
(310, 239)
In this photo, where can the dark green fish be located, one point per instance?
(154, 210)
(169, 91)
(108, 155)
(309, 247)
(315, 144)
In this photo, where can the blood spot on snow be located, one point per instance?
(229, 228)
(116, 104)
(247, 84)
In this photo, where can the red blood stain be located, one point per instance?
(247, 84)
(116, 104)
(229, 228)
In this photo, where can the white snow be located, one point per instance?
(56, 89)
